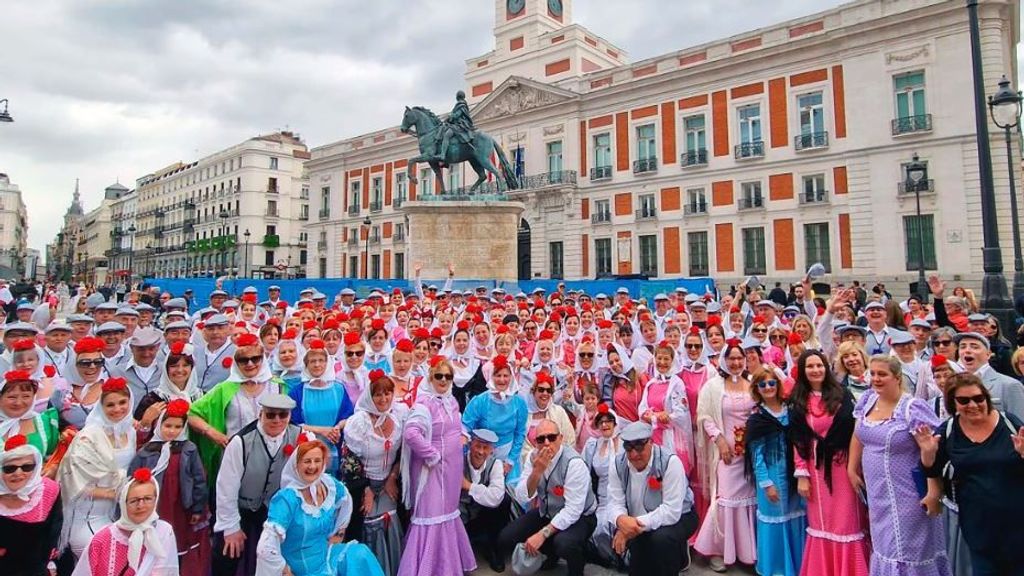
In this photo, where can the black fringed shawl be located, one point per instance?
(835, 444)
(763, 425)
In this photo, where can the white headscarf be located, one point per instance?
(329, 375)
(10, 426)
(143, 534)
(264, 375)
(291, 479)
(165, 449)
(170, 391)
(365, 404)
(275, 366)
(627, 361)
(8, 356)
(502, 396)
(26, 492)
(124, 427)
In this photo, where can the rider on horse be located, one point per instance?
(459, 124)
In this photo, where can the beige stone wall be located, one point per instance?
(478, 237)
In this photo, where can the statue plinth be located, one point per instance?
(480, 238)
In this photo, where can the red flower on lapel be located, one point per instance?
(49, 371)
(558, 491)
(654, 483)
(226, 362)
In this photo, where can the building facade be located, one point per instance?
(757, 154)
(122, 237)
(240, 211)
(13, 230)
(61, 258)
(94, 249)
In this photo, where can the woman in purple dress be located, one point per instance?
(432, 462)
(907, 530)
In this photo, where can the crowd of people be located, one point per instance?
(409, 434)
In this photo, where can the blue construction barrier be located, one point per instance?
(290, 288)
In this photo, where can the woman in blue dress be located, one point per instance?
(307, 519)
(503, 412)
(321, 404)
(781, 518)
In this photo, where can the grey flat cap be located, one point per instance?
(110, 327)
(636, 431)
(216, 320)
(147, 336)
(277, 402)
(485, 435)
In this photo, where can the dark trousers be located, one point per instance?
(568, 545)
(662, 552)
(1004, 565)
(487, 523)
(252, 527)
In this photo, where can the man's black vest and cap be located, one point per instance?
(660, 499)
(486, 506)
(249, 476)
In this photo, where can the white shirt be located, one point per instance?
(487, 496)
(673, 491)
(577, 483)
(212, 355)
(145, 372)
(229, 481)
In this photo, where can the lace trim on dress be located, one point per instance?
(842, 538)
(780, 519)
(434, 520)
(313, 509)
(729, 503)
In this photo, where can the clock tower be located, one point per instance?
(537, 39)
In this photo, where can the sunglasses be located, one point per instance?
(354, 353)
(767, 384)
(12, 468)
(760, 330)
(586, 354)
(546, 439)
(778, 337)
(434, 344)
(276, 414)
(440, 377)
(964, 400)
(89, 363)
(544, 390)
(943, 342)
(250, 359)
(634, 445)
(694, 346)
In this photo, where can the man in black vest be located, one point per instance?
(555, 488)
(250, 474)
(484, 504)
(651, 503)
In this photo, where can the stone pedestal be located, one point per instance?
(480, 238)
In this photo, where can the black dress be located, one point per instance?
(27, 545)
(988, 486)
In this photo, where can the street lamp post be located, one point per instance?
(995, 299)
(5, 116)
(131, 255)
(366, 253)
(149, 258)
(1005, 109)
(245, 260)
(917, 173)
(223, 233)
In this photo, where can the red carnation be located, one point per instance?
(16, 441)
(23, 345)
(654, 483)
(405, 345)
(695, 330)
(558, 491)
(176, 408)
(17, 376)
(352, 339)
(89, 345)
(114, 385)
(436, 360)
(499, 362)
(544, 378)
(602, 408)
(436, 333)
(49, 371)
(178, 348)
(227, 362)
(377, 324)
(462, 326)
(503, 329)
(142, 475)
(316, 344)
(733, 342)
(289, 334)
(308, 325)
(288, 449)
(200, 325)
(376, 374)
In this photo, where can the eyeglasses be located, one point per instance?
(634, 445)
(250, 359)
(276, 414)
(760, 330)
(768, 384)
(777, 337)
(694, 346)
(89, 363)
(354, 353)
(434, 344)
(12, 468)
(586, 354)
(545, 439)
(943, 342)
(543, 390)
(964, 400)
(143, 500)
(438, 376)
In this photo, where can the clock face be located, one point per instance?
(515, 6)
(555, 7)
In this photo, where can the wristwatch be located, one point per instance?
(547, 531)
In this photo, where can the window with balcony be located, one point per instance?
(353, 266)
(911, 110)
(354, 197)
(426, 181)
(751, 197)
(272, 208)
(648, 255)
(401, 189)
(268, 258)
(304, 193)
(753, 251)
(918, 236)
(813, 190)
(556, 260)
(454, 180)
(812, 122)
(400, 266)
(399, 234)
(554, 151)
(695, 134)
(646, 149)
(696, 201)
(647, 210)
(304, 212)
(375, 266)
(816, 245)
(272, 185)
(323, 268)
(603, 256)
(602, 212)
(325, 203)
(906, 185)
(377, 195)
(273, 163)
(697, 247)
(602, 157)
(751, 145)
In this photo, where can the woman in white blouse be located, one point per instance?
(374, 435)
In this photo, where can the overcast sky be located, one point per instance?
(108, 90)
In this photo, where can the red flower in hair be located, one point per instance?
(114, 385)
(735, 310)
(939, 361)
(558, 491)
(794, 338)
(288, 450)
(376, 374)
(309, 325)
(377, 324)
(421, 334)
(499, 362)
(142, 475)
(695, 330)
(240, 324)
(758, 319)
(602, 408)
(16, 441)
(49, 371)
(544, 378)
(176, 408)
(605, 324)
(227, 362)
(587, 338)
(681, 308)
(289, 334)
(436, 333)
(503, 329)
(546, 335)
(664, 344)
(282, 305)
(17, 376)
(316, 344)
(405, 345)
(23, 345)
(436, 360)
(555, 317)
(331, 324)
(352, 339)
(733, 342)
(462, 326)
(654, 483)
(244, 340)
(178, 348)
(249, 298)
(88, 345)
(713, 321)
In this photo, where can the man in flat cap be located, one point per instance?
(484, 505)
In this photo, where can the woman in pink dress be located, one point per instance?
(622, 385)
(665, 407)
(696, 371)
(821, 425)
(728, 533)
